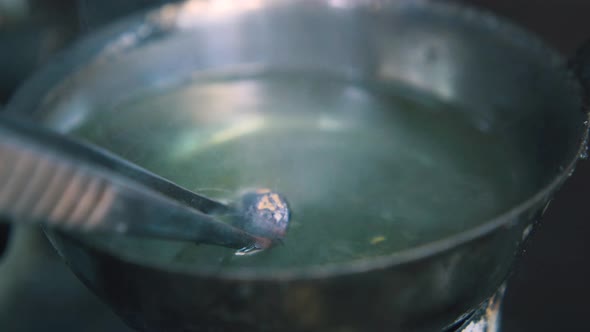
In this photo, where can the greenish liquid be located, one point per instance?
(368, 171)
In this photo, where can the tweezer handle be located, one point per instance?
(43, 182)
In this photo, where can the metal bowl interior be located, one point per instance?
(500, 80)
(503, 81)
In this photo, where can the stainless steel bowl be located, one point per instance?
(502, 80)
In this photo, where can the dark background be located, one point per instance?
(548, 291)
(550, 288)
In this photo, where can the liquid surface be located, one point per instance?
(367, 171)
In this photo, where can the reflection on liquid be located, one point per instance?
(368, 171)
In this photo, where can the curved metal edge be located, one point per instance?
(64, 65)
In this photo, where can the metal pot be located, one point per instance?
(507, 79)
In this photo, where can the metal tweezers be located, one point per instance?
(49, 178)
